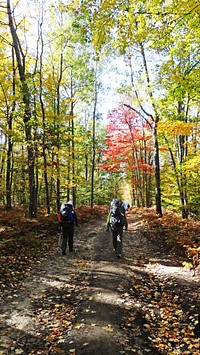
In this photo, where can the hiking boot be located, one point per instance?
(63, 252)
(119, 256)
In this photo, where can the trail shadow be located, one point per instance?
(139, 251)
(12, 339)
(96, 304)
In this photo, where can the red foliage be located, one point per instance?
(176, 231)
(129, 144)
(87, 213)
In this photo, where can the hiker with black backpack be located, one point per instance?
(67, 218)
(116, 221)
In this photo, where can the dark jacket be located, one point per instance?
(125, 223)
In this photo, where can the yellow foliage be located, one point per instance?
(176, 127)
(192, 165)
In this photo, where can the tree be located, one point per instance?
(21, 65)
(129, 32)
(38, 68)
(147, 28)
(51, 95)
(9, 170)
(178, 79)
(129, 152)
(95, 101)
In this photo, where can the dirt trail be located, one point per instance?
(90, 302)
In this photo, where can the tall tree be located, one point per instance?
(9, 170)
(21, 65)
(41, 99)
(94, 117)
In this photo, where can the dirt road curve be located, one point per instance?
(90, 302)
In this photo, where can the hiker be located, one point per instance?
(116, 221)
(66, 218)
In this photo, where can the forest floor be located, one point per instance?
(89, 302)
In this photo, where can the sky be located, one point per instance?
(113, 72)
(114, 75)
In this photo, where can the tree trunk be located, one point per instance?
(9, 173)
(137, 170)
(93, 141)
(10, 144)
(27, 113)
(154, 119)
(44, 129)
(58, 135)
(73, 144)
(156, 145)
(157, 174)
(69, 163)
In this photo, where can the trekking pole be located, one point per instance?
(59, 241)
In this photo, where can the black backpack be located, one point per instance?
(117, 217)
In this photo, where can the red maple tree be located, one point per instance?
(129, 150)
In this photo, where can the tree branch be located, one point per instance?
(139, 114)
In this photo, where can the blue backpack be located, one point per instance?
(67, 214)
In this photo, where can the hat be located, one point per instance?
(70, 203)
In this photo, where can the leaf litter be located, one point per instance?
(92, 303)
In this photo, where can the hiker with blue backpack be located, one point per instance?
(67, 218)
(116, 221)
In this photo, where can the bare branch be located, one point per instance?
(139, 114)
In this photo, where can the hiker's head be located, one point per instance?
(70, 203)
(116, 201)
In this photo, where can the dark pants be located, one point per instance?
(117, 235)
(67, 238)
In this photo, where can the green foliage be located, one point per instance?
(62, 58)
